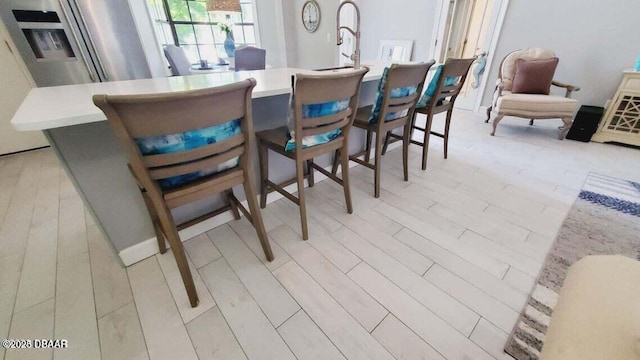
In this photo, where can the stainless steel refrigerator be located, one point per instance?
(67, 42)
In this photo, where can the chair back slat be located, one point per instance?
(310, 123)
(191, 155)
(210, 162)
(406, 76)
(172, 134)
(326, 128)
(404, 100)
(166, 114)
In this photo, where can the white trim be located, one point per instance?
(438, 29)
(256, 21)
(149, 247)
(280, 31)
(504, 5)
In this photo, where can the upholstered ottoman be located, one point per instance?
(598, 314)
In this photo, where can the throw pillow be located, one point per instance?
(433, 86)
(534, 76)
(190, 140)
(312, 111)
(395, 93)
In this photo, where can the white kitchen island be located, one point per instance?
(91, 155)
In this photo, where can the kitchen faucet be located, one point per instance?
(355, 57)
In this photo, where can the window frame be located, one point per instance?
(217, 44)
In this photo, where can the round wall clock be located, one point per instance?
(311, 15)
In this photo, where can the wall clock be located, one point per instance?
(311, 15)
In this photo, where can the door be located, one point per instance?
(470, 28)
(14, 87)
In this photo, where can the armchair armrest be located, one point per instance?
(497, 92)
(568, 87)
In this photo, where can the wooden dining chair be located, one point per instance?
(323, 109)
(447, 82)
(186, 146)
(398, 93)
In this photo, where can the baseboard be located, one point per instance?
(149, 247)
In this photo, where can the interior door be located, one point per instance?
(470, 28)
(14, 87)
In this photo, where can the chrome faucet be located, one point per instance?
(355, 57)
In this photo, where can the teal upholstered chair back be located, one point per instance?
(447, 82)
(398, 91)
(323, 107)
(175, 139)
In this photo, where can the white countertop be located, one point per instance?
(57, 106)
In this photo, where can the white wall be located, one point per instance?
(595, 40)
(271, 31)
(397, 20)
(310, 50)
(144, 26)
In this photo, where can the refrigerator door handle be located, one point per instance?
(90, 69)
(85, 29)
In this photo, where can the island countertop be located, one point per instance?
(58, 106)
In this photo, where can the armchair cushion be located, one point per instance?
(536, 105)
(534, 76)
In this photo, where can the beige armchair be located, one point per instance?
(530, 106)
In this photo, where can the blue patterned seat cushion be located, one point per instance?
(395, 93)
(313, 111)
(433, 86)
(190, 140)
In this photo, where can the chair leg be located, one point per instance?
(447, 124)
(495, 123)
(367, 147)
(234, 207)
(157, 227)
(386, 142)
(531, 122)
(263, 158)
(256, 217)
(336, 156)
(425, 141)
(171, 231)
(568, 122)
(310, 172)
(406, 140)
(301, 199)
(377, 165)
(488, 113)
(345, 179)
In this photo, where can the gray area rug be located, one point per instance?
(604, 220)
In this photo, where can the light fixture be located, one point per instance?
(224, 5)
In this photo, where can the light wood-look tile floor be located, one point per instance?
(437, 268)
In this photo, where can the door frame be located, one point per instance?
(437, 40)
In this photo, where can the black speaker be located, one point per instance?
(586, 123)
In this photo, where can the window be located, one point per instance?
(186, 23)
